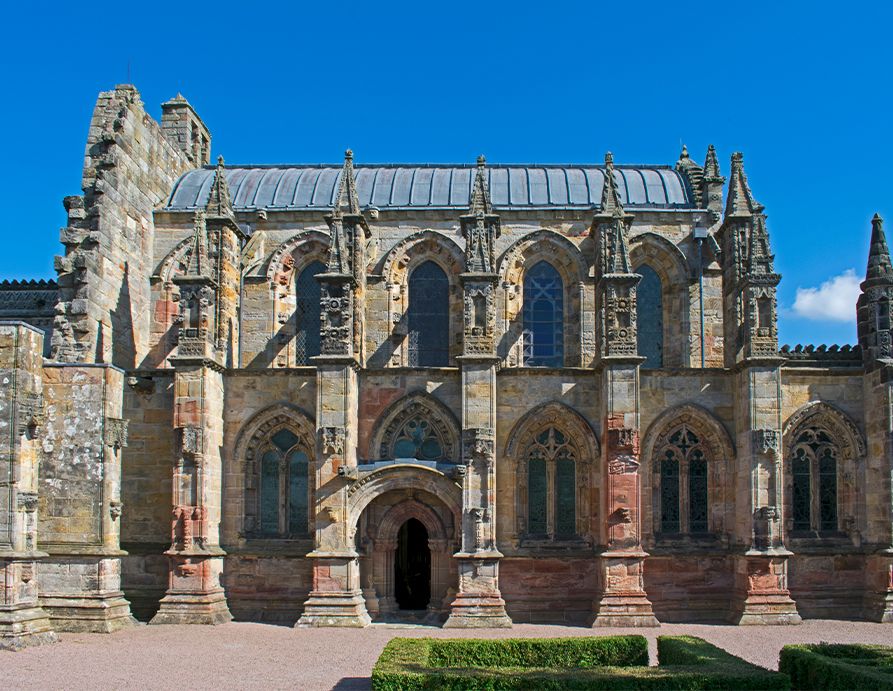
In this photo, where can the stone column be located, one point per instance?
(80, 498)
(194, 594)
(761, 573)
(22, 621)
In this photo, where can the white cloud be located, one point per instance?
(834, 300)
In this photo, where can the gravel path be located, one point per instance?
(243, 655)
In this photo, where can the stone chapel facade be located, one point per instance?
(469, 394)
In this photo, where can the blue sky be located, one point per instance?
(803, 89)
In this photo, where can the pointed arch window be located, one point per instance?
(428, 316)
(814, 481)
(307, 313)
(682, 468)
(551, 486)
(543, 317)
(284, 497)
(650, 317)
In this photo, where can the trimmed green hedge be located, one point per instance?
(607, 662)
(838, 666)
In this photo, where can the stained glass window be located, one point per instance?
(814, 481)
(669, 494)
(418, 439)
(307, 313)
(284, 486)
(543, 317)
(429, 317)
(650, 316)
(551, 462)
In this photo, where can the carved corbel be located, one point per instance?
(479, 444)
(115, 508)
(30, 412)
(766, 442)
(142, 385)
(116, 433)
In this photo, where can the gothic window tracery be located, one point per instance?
(814, 480)
(284, 487)
(551, 486)
(418, 439)
(428, 316)
(650, 317)
(682, 466)
(307, 313)
(543, 317)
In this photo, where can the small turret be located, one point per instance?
(711, 190)
(873, 306)
(184, 129)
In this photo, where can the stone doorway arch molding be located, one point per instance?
(378, 575)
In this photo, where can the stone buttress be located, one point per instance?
(22, 621)
(751, 351)
(337, 598)
(479, 602)
(207, 342)
(623, 601)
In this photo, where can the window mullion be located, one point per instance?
(550, 498)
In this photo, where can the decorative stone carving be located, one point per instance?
(478, 444)
(766, 442)
(332, 440)
(27, 501)
(143, 385)
(191, 440)
(623, 463)
(115, 509)
(116, 433)
(30, 413)
(440, 423)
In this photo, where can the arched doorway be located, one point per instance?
(412, 567)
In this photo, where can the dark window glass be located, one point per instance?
(697, 493)
(827, 490)
(565, 498)
(650, 317)
(307, 313)
(417, 439)
(429, 317)
(801, 493)
(669, 494)
(269, 493)
(543, 317)
(297, 492)
(536, 496)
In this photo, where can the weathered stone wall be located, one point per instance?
(553, 589)
(104, 295)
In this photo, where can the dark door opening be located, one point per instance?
(412, 566)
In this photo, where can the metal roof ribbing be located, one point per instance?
(434, 186)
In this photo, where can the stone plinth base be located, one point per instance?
(478, 611)
(761, 583)
(208, 608)
(88, 612)
(344, 609)
(879, 588)
(194, 595)
(478, 604)
(623, 601)
(23, 627)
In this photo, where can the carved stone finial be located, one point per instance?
(711, 166)
(611, 204)
(480, 194)
(684, 153)
(346, 196)
(198, 255)
(219, 201)
(879, 266)
(740, 201)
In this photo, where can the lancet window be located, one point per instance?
(429, 316)
(650, 317)
(814, 480)
(543, 317)
(307, 313)
(284, 497)
(551, 486)
(682, 465)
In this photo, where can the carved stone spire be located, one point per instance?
(693, 174)
(198, 265)
(873, 309)
(711, 185)
(346, 199)
(740, 201)
(879, 267)
(616, 284)
(480, 226)
(219, 202)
